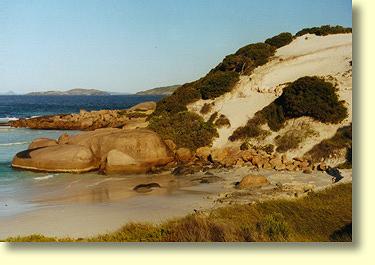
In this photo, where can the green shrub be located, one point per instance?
(273, 115)
(250, 130)
(259, 53)
(177, 102)
(280, 40)
(313, 97)
(246, 58)
(236, 63)
(217, 83)
(185, 129)
(222, 121)
(324, 30)
(326, 148)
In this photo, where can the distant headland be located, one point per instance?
(71, 92)
(165, 90)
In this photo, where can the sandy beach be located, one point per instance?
(91, 204)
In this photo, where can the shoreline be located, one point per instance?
(96, 205)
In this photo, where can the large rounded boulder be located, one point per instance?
(42, 142)
(57, 158)
(118, 161)
(111, 150)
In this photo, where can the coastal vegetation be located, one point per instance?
(326, 148)
(222, 121)
(292, 138)
(217, 82)
(280, 40)
(307, 96)
(324, 30)
(320, 216)
(185, 129)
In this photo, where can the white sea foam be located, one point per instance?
(7, 119)
(16, 143)
(45, 177)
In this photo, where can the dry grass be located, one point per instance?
(321, 216)
(292, 139)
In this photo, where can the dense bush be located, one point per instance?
(273, 115)
(236, 63)
(217, 83)
(280, 40)
(246, 58)
(324, 30)
(326, 148)
(186, 129)
(313, 97)
(257, 52)
(177, 102)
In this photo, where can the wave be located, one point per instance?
(7, 119)
(46, 177)
(16, 143)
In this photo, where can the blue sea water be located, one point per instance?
(23, 106)
(15, 184)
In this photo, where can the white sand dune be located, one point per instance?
(308, 55)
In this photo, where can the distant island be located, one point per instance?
(9, 93)
(165, 90)
(71, 92)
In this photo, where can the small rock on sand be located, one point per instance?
(251, 181)
(143, 188)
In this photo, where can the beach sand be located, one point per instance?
(87, 205)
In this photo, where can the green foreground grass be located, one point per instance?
(321, 216)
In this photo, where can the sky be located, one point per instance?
(128, 46)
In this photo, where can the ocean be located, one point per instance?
(23, 106)
(17, 186)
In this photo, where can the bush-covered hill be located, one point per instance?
(224, 77)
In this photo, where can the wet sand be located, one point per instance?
(90, 204)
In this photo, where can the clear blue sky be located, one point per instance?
(127, 46)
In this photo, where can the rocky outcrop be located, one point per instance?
(132, 118)
(184, 154)
(57, 158)
(118, 161)
(111, 150)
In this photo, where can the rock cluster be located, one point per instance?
(231, 156)
(110, 150)
(132, 118)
